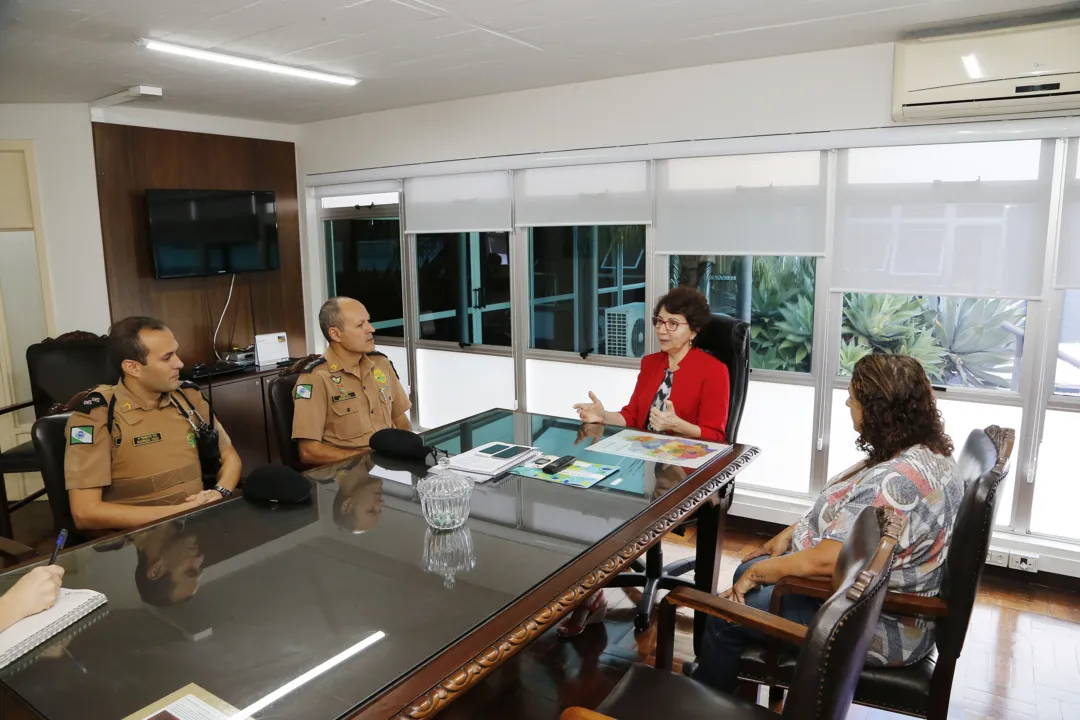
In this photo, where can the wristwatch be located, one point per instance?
(225, 493)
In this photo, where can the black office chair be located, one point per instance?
(925, 688)
(728, 340)
(59, 368)
(50, 443)
(281, 412)
(833, 646)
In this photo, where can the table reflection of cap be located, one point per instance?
(359, 500)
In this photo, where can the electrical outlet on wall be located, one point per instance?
(998, 557)
(1028, 562)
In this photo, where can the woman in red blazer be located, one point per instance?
(680, 390)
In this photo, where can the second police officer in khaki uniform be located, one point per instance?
(350, 393)
(131, 448)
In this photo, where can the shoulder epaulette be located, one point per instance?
(93, 399)
(308, 367)
(189, 384)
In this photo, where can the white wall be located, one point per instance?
(67, 187)
(833, 90)
(64, 150)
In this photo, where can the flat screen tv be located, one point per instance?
(212, 232)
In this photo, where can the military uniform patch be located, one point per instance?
(380, 376)
(343, 396)
(82, 435)
(303, 392)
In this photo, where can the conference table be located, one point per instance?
(350, 606)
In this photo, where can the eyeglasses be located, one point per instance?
(672, 324)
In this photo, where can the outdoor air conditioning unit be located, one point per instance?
(624, 330)
(1028, 69)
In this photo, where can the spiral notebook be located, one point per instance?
(28, 633)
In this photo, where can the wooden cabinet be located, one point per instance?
(242, 407)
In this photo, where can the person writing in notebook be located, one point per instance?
(35, 592)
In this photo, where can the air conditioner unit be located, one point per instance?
(1028, 69)
(624, 330)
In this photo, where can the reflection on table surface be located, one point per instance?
(241, 598)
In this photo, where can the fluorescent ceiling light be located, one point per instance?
(971, 64)
(308, 676)
(246, 62)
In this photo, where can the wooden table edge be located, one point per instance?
(404, 700)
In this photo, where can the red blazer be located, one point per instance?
(700, 392)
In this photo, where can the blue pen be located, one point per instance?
(60, 540)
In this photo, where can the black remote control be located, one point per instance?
(558, 465)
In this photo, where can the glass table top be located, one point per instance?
(244, 599)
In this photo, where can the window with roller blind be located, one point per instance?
(937, 251)
(586, 229)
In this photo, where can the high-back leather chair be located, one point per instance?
(281, 414)
(281, 410)
(50, 443)
(728, 340)
(922, 689)
(59, 368)
(833, 647)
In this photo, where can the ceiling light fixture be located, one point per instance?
(245, 62)
(971, 64)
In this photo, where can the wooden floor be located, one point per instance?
(1021, 660)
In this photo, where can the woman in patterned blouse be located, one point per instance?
(908, 467)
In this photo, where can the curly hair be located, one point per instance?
(898, 407)
(689, 303)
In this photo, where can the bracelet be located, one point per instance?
(225, 492)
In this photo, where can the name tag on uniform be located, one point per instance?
(343, 397)
(146, 439)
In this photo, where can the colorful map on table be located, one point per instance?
(661, 448)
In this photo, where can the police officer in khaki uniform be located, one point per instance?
(350, 393)
(131, 456)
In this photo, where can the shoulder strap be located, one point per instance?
(112, 411)
(309, 366)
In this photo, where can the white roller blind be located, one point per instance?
(458, 203)
(770, 204)
(367, 188)
(611, 194)
(1068, 261)
(966, 219)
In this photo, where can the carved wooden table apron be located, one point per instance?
(445, 677)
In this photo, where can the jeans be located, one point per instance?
(723, 642)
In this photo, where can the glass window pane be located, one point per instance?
(456, 385)
(587, 289)
(359, 201)
(779, 419)
(1057, 494)
(964, 342)
(553, 387)
(363, 257)
(775, 294)
(1067, 375)
(960, 419)
(463, 287)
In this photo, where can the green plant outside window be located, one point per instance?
(965, 342)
